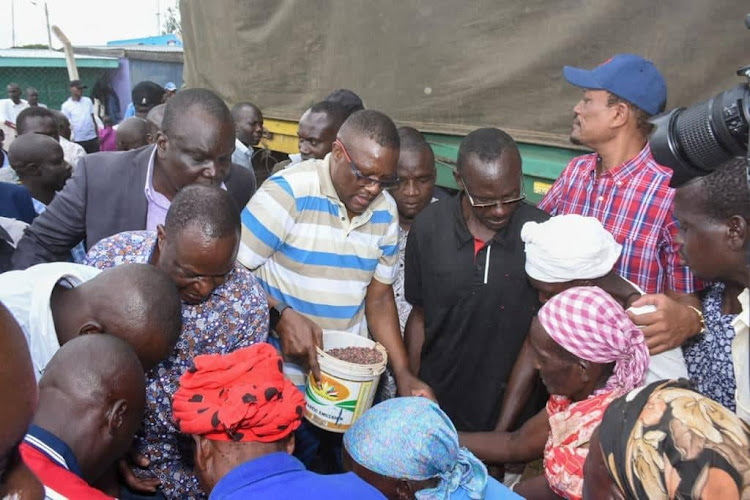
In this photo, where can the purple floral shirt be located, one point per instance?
(235, 316)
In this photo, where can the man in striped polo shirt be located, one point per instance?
(322, 238)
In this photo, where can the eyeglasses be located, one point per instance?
(363, 179)
(493, 203)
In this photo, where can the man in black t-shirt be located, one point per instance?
(465, 278)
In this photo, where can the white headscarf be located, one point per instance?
(568, 247)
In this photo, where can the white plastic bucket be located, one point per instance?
(346, 389)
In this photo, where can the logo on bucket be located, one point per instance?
(330, 393)
(329, 389)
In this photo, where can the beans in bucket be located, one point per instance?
(350, 369)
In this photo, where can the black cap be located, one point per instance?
(78, 84)
(348, 99)
(147, 94)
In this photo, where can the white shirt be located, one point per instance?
(242, 155)
(667, 365)
(14, 228)
(741, 356)
(158, 204)
(80, 115)
(7, 174)
(9, 110)
(27, 295)
(72, 152)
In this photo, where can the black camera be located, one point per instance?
(695, 141)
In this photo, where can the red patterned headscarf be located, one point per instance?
(241, 396)
(588, 323)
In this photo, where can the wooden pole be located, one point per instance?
(70, 58)
(13, 23)
(49, 34)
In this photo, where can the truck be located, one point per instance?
(447, 67)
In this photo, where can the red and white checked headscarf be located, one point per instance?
(588, 323)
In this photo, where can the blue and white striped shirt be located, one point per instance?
(300, 243)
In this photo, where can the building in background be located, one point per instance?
(46, 70)
(158, 58)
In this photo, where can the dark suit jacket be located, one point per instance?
(241, 184)
(105, 196)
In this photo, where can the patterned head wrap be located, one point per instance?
(588, 323)
(567, 248)
(412, 438)
(241, 396)
(668, 441)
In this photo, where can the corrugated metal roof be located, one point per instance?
(134, 48)
(136, 52)
(51, 58)
(160, 40)
(42, 53)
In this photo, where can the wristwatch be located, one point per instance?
(700, 318)
(274, 313)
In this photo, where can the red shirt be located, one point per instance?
(51, 461)
(634, 202)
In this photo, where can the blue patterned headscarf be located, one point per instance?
(412, 438)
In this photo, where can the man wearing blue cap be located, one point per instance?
(170, 89)
(621, 184)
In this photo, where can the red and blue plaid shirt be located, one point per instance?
(634, 202)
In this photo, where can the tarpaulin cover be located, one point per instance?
(450, 66)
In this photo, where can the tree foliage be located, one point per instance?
(172, 22)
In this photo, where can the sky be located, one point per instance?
(85, 22)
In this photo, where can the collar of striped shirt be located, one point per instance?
(52, 447)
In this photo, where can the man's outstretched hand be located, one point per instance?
(409, 385)
(669, 326)
(299, 338)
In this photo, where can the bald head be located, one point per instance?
(18, 392)
(32, 148)
(94, 369)
(132, 134)
(97, 382)
(40, 164)
(154, 119)
(183, 105)
(138, 303)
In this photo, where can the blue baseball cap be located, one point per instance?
(628, 76)
(170, 86)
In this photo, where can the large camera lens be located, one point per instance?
(696, 140)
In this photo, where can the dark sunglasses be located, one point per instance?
(492, 203)
(363, 179)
